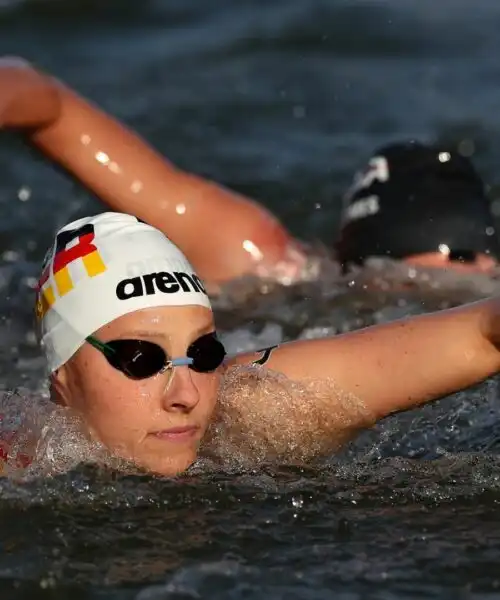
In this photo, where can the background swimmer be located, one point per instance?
(423, 204)
(139, 360)
(413, 188)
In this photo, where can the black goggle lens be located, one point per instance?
(138, 359)
(207, 353)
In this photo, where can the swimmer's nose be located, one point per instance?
(181, 395)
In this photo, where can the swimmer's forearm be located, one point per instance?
(400, 365)
(28, 99)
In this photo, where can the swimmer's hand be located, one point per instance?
(28, 99)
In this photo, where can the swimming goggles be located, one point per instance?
(140, 359)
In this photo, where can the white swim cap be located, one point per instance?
(100, 268)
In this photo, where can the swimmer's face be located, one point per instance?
(157, 422)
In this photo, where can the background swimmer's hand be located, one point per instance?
(28, 99)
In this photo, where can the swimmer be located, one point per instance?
(131, 345)
(423, 204)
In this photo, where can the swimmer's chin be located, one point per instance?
(169, 465)
(149, 457)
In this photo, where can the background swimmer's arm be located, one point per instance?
(223, 234)
(397, 366)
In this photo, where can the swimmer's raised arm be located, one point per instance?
(225, 235)
(400, 365)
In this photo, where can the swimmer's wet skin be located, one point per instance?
(147, 376)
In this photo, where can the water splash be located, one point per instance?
(264, 417)
(42, 439)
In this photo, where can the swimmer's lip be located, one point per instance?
(177, 433)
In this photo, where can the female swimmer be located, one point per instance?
(423, 204)
(131, 345)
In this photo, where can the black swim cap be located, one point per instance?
(411, 199)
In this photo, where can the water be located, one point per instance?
(280, 100)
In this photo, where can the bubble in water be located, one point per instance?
(40, 438)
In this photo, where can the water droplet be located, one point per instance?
(24, 193)
(299, 112)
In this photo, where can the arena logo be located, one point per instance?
(163, 282)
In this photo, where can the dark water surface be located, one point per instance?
(281, 100)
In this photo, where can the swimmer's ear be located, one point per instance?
(59, 392)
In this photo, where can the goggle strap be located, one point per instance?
(104, 348)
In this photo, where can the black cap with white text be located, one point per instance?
(413, 199)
